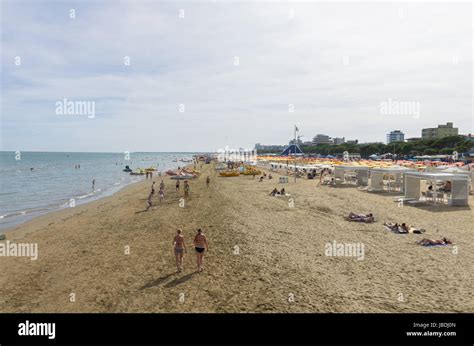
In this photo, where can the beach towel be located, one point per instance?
(358, 220)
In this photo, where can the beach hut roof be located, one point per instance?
(437, 176)
(392, 169)
(354, 168)
(451, 169)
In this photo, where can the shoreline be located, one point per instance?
(262, 250)
(32, 216)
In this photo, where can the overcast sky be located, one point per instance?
(236, 67)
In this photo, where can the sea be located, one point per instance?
(35, 183)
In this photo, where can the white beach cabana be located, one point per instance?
(356, 175)
(458, 170)
(388, 178)
(416, 192)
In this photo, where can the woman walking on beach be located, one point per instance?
(200, 244)
(177, 185)
(179, 249)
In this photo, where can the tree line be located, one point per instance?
(441, 146)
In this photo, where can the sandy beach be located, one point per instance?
(267, 254)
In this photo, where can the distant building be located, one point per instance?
(353, 141)
(395, 136)
(413, 139)
(298, 142)
(261, 147)
(337, 140)
(322, 139)
(439, 132)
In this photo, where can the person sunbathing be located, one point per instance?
(431, 242)
(361, 217)
(413, 229)
(282, 192)
(395, 227)
(274, 192)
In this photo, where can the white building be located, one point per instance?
(395, 136)
(322, 139)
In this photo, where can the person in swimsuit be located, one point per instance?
(186, 188)
(428, 242)
(361, 217)
(208, 180)
(153, 188)
(162, 185)
(177, 185)
(161, 193)
(200, 244)
(150, 201)
(179, 249)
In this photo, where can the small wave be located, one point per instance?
(19, 213)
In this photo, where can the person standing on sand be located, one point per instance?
(162, 185)
(150, 203)
(177, 184)
(179, 248)
(208, 180)
(161, 193)
(93, 184)
(153, 188)
(186, 188)
(200, 244)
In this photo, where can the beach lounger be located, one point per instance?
(404, 199)
(417, 201)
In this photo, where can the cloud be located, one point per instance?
(336, 62)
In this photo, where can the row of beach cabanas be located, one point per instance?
(444, 184)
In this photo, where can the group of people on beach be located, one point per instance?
(275, 192)
(402, 228)
(185, 187)
(161, 194)
(179, 248)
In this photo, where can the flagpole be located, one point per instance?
(294, 158)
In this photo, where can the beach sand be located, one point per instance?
(266, 254)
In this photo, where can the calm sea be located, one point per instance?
(34, 183)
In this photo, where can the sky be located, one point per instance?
(203, 75)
